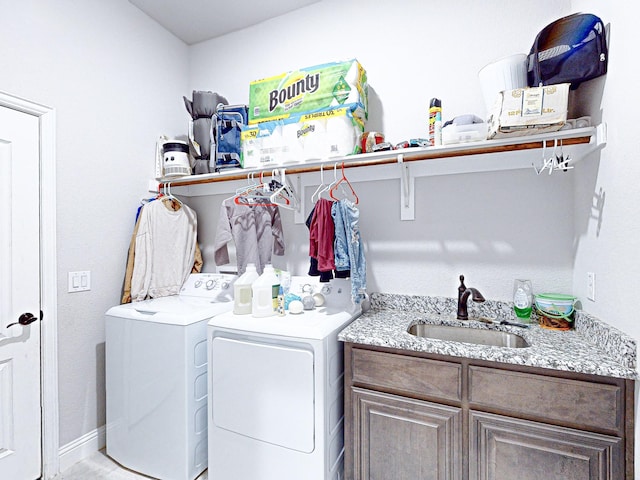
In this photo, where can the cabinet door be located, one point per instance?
(404, 439)
(504, 448)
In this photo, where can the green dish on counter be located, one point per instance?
(555, 305)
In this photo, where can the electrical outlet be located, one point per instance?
(591, 286)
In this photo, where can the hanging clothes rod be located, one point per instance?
(381, 158)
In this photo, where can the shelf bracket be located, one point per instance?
(407, 193)
(601, 135)
(299, 213)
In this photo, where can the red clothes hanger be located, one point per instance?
(344, 180)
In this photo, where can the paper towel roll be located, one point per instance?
(313, 138)
(290, 138)
(341, 135)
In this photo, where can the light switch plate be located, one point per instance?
(79, 281)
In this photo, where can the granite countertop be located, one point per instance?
(594, 347)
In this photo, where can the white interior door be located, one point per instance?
(20, 413)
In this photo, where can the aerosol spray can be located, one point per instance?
(435, 122)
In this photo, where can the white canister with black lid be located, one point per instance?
(175, 158)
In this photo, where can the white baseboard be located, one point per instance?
(82, 447)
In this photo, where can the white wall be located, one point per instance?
(103, 67)
(492, 227)
(608, 238)
(607, 195)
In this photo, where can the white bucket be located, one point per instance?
(504, 74)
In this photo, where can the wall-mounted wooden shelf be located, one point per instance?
(407, 164)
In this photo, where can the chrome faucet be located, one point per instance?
(463, 296)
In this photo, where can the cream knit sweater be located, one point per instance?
(164, 250)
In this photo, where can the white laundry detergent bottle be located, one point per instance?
(265, 293)
(242, 290)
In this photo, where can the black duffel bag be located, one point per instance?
(571, 50)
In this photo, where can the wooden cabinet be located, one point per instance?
(418, 416)
(393, 432)
(502, 447)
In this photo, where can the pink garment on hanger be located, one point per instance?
(321, 234)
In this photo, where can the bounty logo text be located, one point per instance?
(308, 84)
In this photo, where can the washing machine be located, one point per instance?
(156, 378)
(276, 390)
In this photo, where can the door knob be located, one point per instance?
(24, 319)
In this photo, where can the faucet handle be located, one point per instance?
(462, 286)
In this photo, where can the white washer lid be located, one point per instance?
(311, 324)
(173, 310)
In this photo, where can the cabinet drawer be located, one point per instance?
(405, 374)
(572, 402)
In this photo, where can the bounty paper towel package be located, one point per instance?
(312, 89)
(262, 145)
(317, 135)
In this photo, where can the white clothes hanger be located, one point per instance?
(254, 194)
(316, 195)
(562, 162)
(284, 195)
(555, 161)
(174, 203)
(251, 184)
(327, 189)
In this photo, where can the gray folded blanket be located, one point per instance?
(201, 109)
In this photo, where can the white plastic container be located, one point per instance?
(265, 293)
(242, 294)
(473, 132)
(507, 73)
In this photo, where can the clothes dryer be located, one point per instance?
(156, 378)
(276, 390)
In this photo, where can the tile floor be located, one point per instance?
(100, 467)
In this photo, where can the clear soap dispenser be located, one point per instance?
(522, 298)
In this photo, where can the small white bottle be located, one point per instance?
(242, 290)
(265, 293)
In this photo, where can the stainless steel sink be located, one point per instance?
(468, 335)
